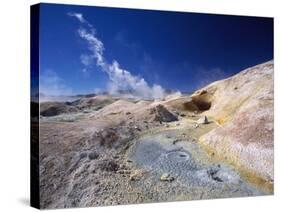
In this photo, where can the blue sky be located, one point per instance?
(178, 51)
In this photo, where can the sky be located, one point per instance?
(94, 49)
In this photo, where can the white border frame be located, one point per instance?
(15, 81)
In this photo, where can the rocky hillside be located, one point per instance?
(242, 106)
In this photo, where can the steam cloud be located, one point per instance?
(119, 79)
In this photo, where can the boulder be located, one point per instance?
(162, 114)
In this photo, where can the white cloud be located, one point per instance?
(95, 46)
(119, 79)
(79, 16)
(86, 60)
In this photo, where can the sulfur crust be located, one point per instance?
(232, 158)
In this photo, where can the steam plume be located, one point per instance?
(119, 79)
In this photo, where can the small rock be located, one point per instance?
(122, 166)
(136, 175)
(137, 128)
(93, 155)
(175, 141)
(83, 155)
(166, 177)
(203, 120)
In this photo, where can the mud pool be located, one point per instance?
(189, 166)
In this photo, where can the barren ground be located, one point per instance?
(92, 159)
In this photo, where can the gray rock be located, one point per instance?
(93, 155)
(83, 155)
(203, 120)
(162, 114)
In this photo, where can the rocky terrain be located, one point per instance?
(215, 143)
